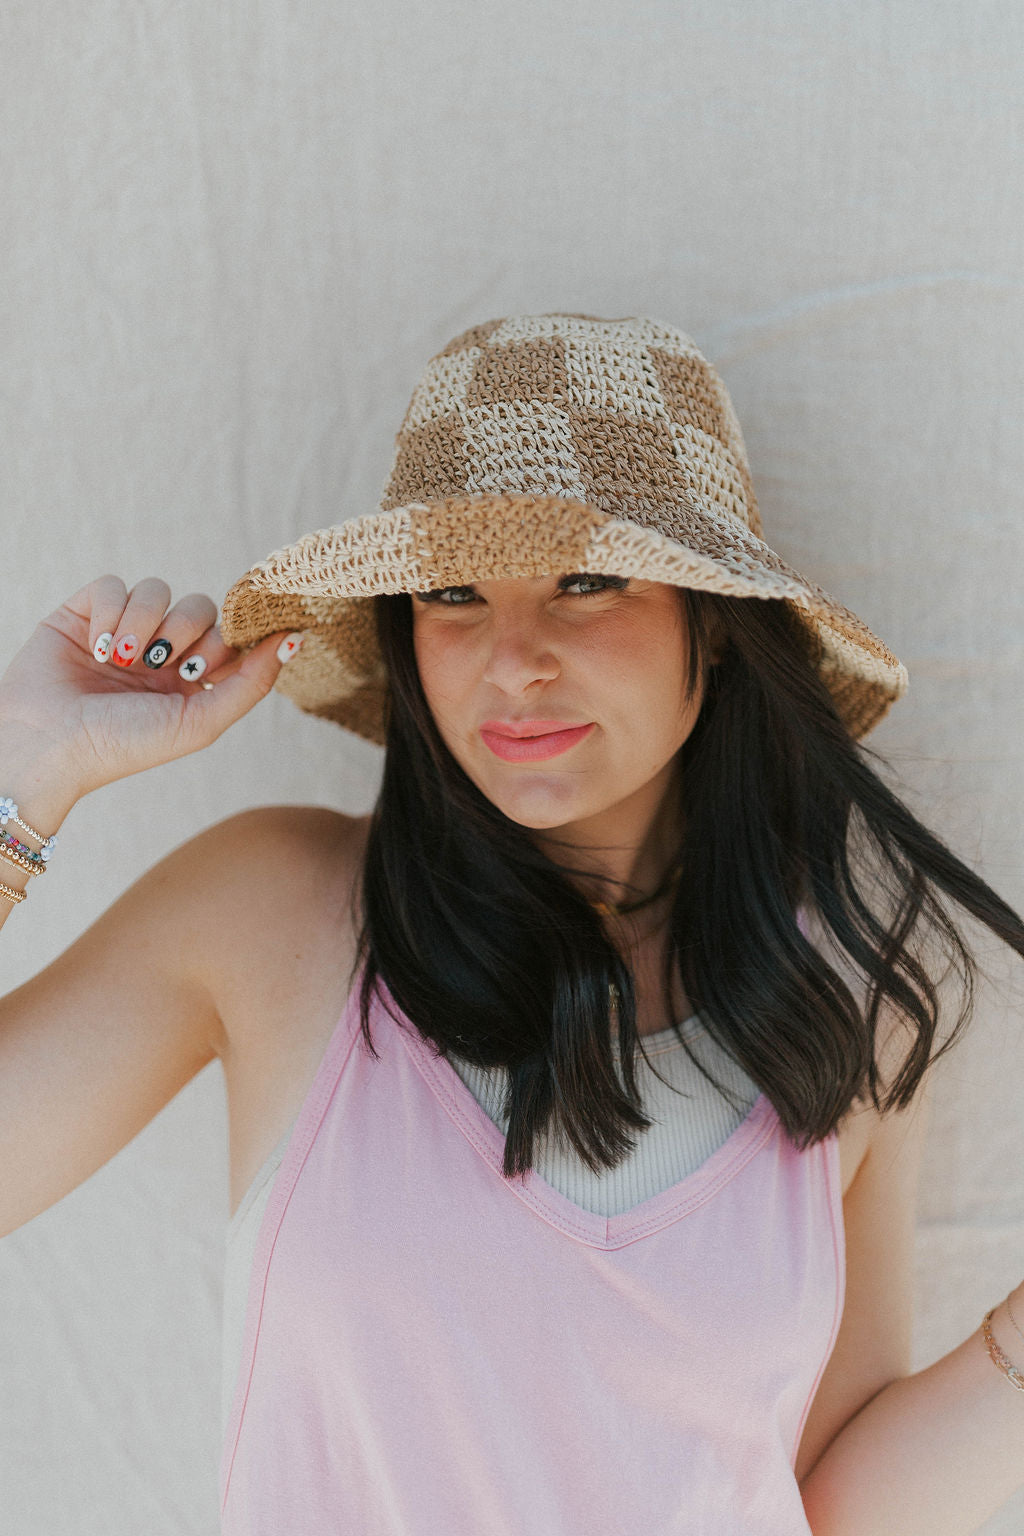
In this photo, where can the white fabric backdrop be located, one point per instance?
(235, 234)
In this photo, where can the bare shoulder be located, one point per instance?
(297, 843)
(281, 883)
(284, 898)
(866, 1129)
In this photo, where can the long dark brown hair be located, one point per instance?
(491, 951)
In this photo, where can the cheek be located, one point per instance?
(648, 701)
(645, 666)
(439, 667)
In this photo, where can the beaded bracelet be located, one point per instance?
(20, 853)
(1005, 1364)
(22, 863)
(16, 852)
(9, 812)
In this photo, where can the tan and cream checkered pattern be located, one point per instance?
(541, 445)
(623, 414)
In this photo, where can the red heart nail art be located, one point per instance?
(125, 649)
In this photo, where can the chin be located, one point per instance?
(535, 808)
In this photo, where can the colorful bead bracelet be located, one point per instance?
(8, 840)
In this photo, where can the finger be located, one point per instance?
(288, 642)
(206, 656)
(183, 631)
(146, 605)
(100, 604)
(239, 686)
(139, 619)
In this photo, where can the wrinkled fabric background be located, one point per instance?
(234, 234)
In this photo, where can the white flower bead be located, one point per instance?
(7, 809)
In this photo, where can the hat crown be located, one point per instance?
(626, 415)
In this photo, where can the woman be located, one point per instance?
(577, 1094)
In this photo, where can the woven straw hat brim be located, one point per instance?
(324, 584)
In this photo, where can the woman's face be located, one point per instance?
(606, 653)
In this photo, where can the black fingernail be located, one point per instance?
(157, 652)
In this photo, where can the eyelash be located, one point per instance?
(612, 583)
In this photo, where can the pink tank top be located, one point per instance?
(431, 1349)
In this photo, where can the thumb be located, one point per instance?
(240, 684)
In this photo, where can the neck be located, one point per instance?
(633, 933)
(624, 858)
(663, 892)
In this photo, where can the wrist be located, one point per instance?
(42, 799)
(1007, 1320)
(1015, 1301)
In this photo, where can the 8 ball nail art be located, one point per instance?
(157, 652)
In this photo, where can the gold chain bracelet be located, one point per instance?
(1005, 1364)
(11, 894)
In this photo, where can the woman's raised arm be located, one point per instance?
(96, 1043)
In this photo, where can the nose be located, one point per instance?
(518, 654)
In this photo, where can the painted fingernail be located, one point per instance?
(157, 652)
(101, 650)
(289, 645)
(125, 649)
(192, 668)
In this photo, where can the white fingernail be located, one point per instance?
(289, 645)
(101, 650)
(192, 668)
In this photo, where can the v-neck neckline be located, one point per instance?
(587, 1227)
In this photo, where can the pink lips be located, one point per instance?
(525, 741)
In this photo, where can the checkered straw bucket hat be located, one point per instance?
(543, 445)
